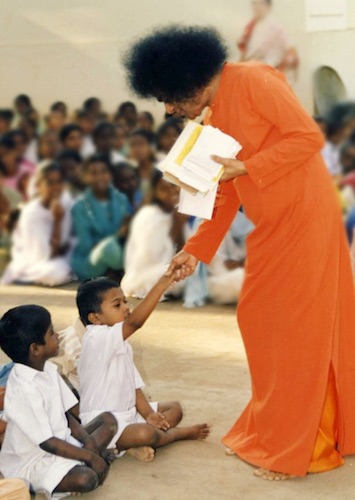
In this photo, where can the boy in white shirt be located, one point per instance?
(108, 378)
(44, 444)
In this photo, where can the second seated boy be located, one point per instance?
(109, 380)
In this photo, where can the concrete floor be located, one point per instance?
(197, 357)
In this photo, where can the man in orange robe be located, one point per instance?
(297, 308)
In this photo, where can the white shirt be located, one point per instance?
(108, 377)
(149, 250)
(35, 407)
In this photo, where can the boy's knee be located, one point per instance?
(109, 421)
(87, 481)
(177, 406)
(147, 436)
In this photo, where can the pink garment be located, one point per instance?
(25, 168)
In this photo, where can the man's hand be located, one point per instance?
(183, 265)
(232, 168)
(158, 420)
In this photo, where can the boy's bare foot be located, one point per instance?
(270, 475)
(143, 453)
(110, 455)
(198, 431)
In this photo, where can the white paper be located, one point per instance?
(199, 205)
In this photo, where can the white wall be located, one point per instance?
(70, 49)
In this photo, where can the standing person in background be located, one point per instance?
(264, 39)
(98, 221)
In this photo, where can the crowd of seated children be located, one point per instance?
(108, 167)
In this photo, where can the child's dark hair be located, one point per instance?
(24, 99)
(171, 122)
(90, 102)
(156, 178)
(20, 327)
(58, 106)
(124, 105)
(90, 296)
(146, 134)
(69, 154)
(102, 128)
(7, 115)
(67, 130)
(53, 166)
(97, 158)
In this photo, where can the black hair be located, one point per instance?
(124, 105)
(67, 130)
(149, 116)
(338, 117)
(102, 127)
(69, 154)
(88, 103)
(58, 105)
(97, 158)
(119, 167)
(7, 115)
(175, 62)
(90, 296)
(20, 327)
(83, 113)
(319, 119)
(156, 178)
(146, 134)
(24, 99)
(174, 123)
(8, 141)
(43, 172)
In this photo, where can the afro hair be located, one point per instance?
(175, 62)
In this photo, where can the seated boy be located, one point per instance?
(44, 444)
(109, 380)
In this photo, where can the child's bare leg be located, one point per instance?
(102, 429)
(80, 479)
(137, 435)
(172, 411)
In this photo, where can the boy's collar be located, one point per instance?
(29, 373)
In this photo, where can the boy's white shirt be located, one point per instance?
(108, 377)
(35, 407)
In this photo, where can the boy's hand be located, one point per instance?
(167, 279)
(158, 420)
(100, 466)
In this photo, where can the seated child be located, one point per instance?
(41, 242)
(44, 443)
(108, 377)
(142, 152)
(6, 118)
(167, 135)
(146, 121)
(71, 137)
(156, 233)
(16, 172)
(126, 179)
(104, 137)
(71, 164)
(48, 145)
(98, 220)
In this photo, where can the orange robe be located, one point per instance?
(297, 308)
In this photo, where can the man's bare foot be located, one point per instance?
(198, 431)
(270, 475)
(143, 453)
(229, 452)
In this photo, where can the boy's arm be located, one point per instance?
(142, 312)
(63, 449)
